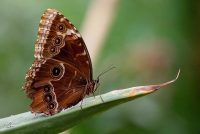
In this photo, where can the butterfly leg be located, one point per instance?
(101, 97)
(93, 95)
(81, 104)
(83, 97)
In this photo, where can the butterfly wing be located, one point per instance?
(59, 39)
(55, 86)
(62, 68)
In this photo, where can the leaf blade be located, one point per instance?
(31, 123)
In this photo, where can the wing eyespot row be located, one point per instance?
(49, 98)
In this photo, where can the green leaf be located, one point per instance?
(39, 123)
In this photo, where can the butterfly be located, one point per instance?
(61, 74)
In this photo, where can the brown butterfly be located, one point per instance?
(61, 74)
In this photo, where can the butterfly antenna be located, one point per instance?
(106, 70)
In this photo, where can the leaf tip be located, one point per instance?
(142, 90)
(172, 81)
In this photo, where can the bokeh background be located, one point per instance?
(147, 40)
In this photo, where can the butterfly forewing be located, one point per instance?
(59, 39)
(62, 72)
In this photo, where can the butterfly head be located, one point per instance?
(95, 83)
(92, 86)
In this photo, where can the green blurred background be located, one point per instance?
(148, 41)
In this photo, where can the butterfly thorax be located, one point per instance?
(92, 86)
